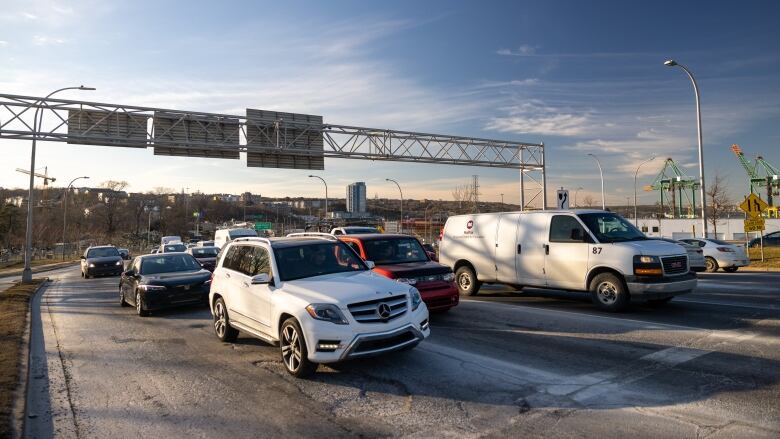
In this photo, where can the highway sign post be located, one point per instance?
(754, 206)
(563, 199)
(264, 226)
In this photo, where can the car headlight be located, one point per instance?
(119, 262)
(449, 277)
(414, 294)
(148, 288)
(407, 280)
(327, 312)
(91, 265)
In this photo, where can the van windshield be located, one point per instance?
(608, 227)
(240, 233)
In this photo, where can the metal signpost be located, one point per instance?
(754, 206)
(563, 199)
(268, 139)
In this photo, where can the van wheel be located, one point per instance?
(608, 292)
(467, 282)
(292, 346)
(712, 264)
(222, 328)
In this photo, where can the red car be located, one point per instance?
(403, 258)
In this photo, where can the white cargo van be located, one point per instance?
(223, 236)
(165, 240)
(580, 250)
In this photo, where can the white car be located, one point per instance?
(721, 254)
(353, 230)
(316, 298)
(224, 236)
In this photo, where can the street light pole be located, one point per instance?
(65, 212)
(401, 225)
(326, 193)
(27, 272)
(636, 220)
(673, 63)
(575, 196)
(601, 173)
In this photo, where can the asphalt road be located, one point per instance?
(505, 364)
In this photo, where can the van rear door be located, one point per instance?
(531, 239)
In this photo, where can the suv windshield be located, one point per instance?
(394, 251)
(359, 230)
(609, 227)
(174, 248)
(102, 252)
(310, 260)
(169, 264)
(205, 252)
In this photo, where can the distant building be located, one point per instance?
(249, 199)
(356, 198)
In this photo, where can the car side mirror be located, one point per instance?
(370, 264)
(262, 278)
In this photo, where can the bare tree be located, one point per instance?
(111, 200)
(463, 194)
(589, 201)
(717, 192)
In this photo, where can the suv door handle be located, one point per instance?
(245, 284)
(547, 249)
(227, 275)
(519, 249)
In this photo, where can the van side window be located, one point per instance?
(261, 263)
(564, 228)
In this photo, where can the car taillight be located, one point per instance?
(726, 249)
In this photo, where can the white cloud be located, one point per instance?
(523, 50)
(43, 40)
(4, 43)
(537, 118)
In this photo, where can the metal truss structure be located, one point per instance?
(269, 139)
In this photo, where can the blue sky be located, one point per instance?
(583, 77)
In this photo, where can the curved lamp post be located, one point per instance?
(401, 223)
(601, 173)
(326, 193)
(65, 212)
(27, 272)
(636, 220)
(673, 63)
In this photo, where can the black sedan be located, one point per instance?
(770, 240)
(207, 256)
(164, 280)
(103, 260)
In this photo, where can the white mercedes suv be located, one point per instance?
(315, 297)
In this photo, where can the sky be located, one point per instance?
(582, 77)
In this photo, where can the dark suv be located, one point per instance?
(103, 260)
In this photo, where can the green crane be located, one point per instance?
(677, 191)
(761, 173)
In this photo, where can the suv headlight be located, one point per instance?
(407, 280)
(415, 297)
(91, 265)
(148, 288)
(327, 312)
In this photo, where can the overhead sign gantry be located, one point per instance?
(270, 139)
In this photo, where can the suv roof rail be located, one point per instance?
(252, 238)
(314, 235)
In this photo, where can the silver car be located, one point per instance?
(695, 255)
(721, 254)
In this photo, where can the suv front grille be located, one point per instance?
(675, 264)
(379, 310)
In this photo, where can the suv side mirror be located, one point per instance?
(262, 278)
(370, 264)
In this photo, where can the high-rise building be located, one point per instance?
(356, 197)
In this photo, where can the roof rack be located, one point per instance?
(313, 235)
(252, 238)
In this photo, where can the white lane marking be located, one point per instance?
(514, 306)
(736, 288)
(674, 355)
(732, 304)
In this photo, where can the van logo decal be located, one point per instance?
(470, 224)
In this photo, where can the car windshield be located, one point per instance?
(609, 227)
(359, 230)
(205, 252)
(102, 252)
(394, 251)
(169, 264)
(241, 233)
(310, 260)
(175, 248)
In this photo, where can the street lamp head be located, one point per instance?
(670, 63)
(86, 88)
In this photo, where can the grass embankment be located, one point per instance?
(14, 304)
(771, 257)
(38, 263)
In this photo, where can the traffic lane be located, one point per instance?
(487, 369)
(755, 308)
(738, 289)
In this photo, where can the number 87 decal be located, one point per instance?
(596, 250)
